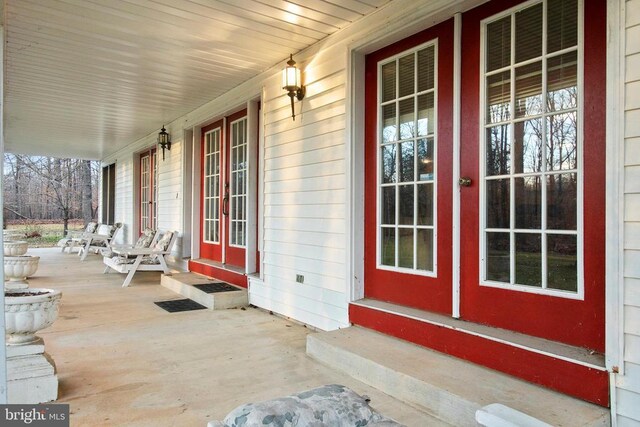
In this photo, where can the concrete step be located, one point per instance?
(450, 388)
(183, 284)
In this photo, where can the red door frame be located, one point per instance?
(575, 322)
(212, 251)
(423, 292)
(233, 255)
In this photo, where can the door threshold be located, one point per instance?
(571, 370)
(225, 272)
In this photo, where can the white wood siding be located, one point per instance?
(305, 206)
(628, 385)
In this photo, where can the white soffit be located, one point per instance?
(84, 78)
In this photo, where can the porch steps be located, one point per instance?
(183, 284)
(447, 387)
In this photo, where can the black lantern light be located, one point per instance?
(164, 141)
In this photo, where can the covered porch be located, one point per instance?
(122, 360)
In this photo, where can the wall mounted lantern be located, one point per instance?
(164, 141)
(292, 83)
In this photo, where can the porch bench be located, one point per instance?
(329, 405)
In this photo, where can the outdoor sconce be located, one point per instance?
(292, 83)
(164, 141)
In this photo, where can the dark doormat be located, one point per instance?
(214, 287)
(175, 305)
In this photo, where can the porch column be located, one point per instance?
(3, 348)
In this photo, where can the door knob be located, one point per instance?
(464, 181)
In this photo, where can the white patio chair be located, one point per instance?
(147, 239)
(99, 240)
(130, 260)
(68, 242)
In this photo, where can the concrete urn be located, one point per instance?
(17, 269)
(28, 311)
(15, 247)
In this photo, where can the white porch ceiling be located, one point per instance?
(84, 78)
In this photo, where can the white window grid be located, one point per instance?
(380, 185)
(212, 156)
(238, 185)
(543, 231)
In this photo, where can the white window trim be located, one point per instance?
(579, 295)
(231, 193)
(379, 265)
(205, 176)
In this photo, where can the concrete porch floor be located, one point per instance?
(123, 361)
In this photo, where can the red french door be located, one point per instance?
(224, 190)
(532, 142)
(532, 147)
(408, 157)
(148, 190)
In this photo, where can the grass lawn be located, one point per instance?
(42, 235)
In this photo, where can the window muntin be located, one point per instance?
(532, 143)
(238, 187)
(148, 190)
(406, 161)
(212, 156)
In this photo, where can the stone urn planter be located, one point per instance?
(28, 311)
(17, 269)
(15, 247)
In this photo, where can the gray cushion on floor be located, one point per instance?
(329, 405)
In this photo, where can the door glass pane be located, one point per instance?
(498, 209)
(498, 44)
(499, 97)
(528, 146)
(562, 24)
(405, 247)
(498, 261)
(528, 259)
(562, 141)
(562, 81)
(528, 194)
(406, 167)
(529, 90)
(388, 246)
(424, 246)
(562, 260)
(406, 83)
(498, 150)
(562, 201)
(407, 162)
(425, 159)
(425, 114)
(388, 76)
(529, 33)
(426, 68)
(407, 119)
(389, 129)
(406, 204)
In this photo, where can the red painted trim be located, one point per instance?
(579, 323)
(218, 273)
(422, 292)
(576, 380)
(210, 251)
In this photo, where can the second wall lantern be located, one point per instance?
(164, 141)
(292, 83)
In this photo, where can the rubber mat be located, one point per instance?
(214, 287)
(176, 305)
